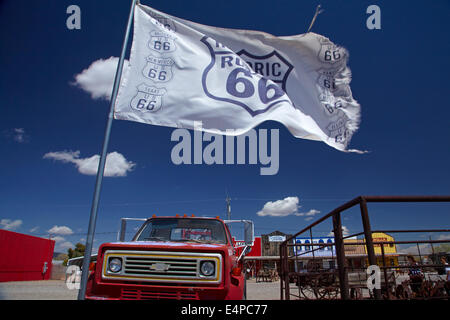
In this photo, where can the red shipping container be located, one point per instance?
(24, 257)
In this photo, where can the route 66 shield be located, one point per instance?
(330, 53)
(161, 42)
(158, 69)
(163, 22)
(326, 79)
(230, 80)
(273, 66)
(147, 99)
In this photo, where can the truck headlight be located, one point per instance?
(207, 268)
(115, 265)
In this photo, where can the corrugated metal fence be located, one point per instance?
(24, 257)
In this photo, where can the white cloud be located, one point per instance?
(98, 78)
(345, 232)
(60, 230)
(9, 224)
(287, 206)
(310, 213)
(63, 246)
(19, 135)
(34, 229)
(116, 164)
(58, 238)
(280, 208)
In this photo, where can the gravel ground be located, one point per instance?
(57, 290)
(263, 290)
(36, 290)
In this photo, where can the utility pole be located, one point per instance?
(228, 200)
(432, 248)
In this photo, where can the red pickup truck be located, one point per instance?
(177, 257)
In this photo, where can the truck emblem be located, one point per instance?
(159, 267)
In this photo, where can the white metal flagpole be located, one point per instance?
(101, 165)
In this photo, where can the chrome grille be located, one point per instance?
(161, 267)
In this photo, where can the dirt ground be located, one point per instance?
(36, 290)
(57, 290)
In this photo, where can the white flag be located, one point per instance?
(233, 80)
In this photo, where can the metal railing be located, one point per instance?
(333, 283)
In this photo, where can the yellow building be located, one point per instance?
(356, 254)
(390, 250)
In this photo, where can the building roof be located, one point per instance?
(271, 258)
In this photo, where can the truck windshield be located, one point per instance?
(183, 230)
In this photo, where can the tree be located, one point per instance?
(445, 247)
(75, 253)
(62, 256)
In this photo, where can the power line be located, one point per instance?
(175, 201)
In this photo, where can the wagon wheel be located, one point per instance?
(305, 288)
(324, 287)
(330, 292)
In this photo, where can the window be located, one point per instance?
(183, 230)
(298, 248)
(330, 247)
(321, 248)
(307, 248)
(190, 234)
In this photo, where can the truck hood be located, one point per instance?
(158, 246)
(161, 245)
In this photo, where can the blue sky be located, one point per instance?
(400, 78)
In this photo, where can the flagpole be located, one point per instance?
(101, 165)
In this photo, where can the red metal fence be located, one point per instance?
(24, 257)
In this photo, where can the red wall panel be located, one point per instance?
(256, 248)
(22, 257)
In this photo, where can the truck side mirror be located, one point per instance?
(249, 233)
(249, 230)
(123, 227)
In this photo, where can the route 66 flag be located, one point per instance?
(231, 80)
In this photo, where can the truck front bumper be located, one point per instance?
(124, 291)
